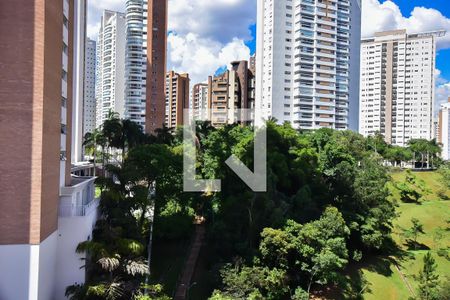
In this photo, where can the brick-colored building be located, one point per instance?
(234, 89)
(156, 64)
(43, 209)
(177, 98)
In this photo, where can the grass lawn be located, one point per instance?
(431, 179)
(433, 213)
(383, 286)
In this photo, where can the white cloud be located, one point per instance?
(387, 16)
(201, 56)
(442, 94)
(221, 20)
(442, 90)
(95, 11)
(206, 35)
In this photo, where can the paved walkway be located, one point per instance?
(191, 262)
(405, 280)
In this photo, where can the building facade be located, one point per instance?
(79, 43)
(89, 107)
(397, 86)
(177, 98)
(39, 195)
(231, 95)
(199, 106)
(110, 77)
(136, 61)
(308, 62)
(444, 130)
(146, 32)
(156, 64)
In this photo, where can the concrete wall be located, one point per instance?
(27, 272)
(69, 264)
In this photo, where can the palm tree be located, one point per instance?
(164, 135)
(91, 141)
(419, 147)
(133, 135)
(427, 150)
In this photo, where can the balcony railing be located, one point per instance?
(78, 200)
(67, 210)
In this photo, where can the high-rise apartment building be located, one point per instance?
(227, 93)
(199, 101)
(146, 32)
(89, 107)
(44, 211)
(136, 61)
(110, 77)
(397, 86)
(177, 98)
(308, 62)
(156, 64)
(444, 129)
(79, 42)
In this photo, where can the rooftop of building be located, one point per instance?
(401, 34)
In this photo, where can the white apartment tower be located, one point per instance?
(110, 87)
(397, 85)
(89, 107)
(199, 101)
(79, 36)
(444, 130)
(136, 60)
(308, 62)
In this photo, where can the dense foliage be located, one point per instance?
(327, 204)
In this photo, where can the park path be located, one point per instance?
(405, 280)
(191, 262)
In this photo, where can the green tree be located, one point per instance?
(426, 150)
(300, 294)
(415, 231)
(412, 189)
(252, 283)
(444, 291)
(444, 170)
(312, 253)
(428, 280)
(164, 135)
(378, 143)
(92, 140)
(396, 155)
(120, 239)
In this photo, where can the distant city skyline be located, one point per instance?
(218, 43)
